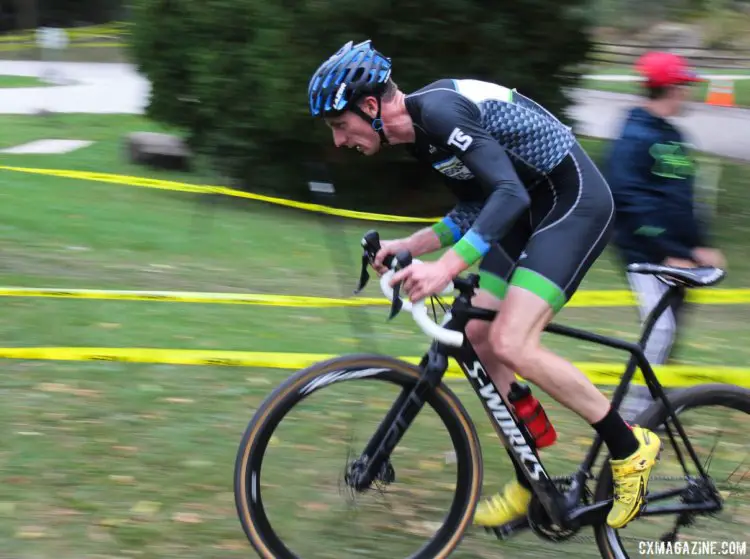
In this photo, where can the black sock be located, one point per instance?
(519, 472)
(616, 435)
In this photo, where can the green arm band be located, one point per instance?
(446, 231)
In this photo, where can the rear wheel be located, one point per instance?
(716, 420)
(406, 522)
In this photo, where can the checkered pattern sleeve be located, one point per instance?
(457, 222)
(456, 122)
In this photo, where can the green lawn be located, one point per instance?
(629, 70)
(21, 81)
(95, 50)
(699, 91)
(114, 460)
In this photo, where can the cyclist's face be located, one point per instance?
(352, 131)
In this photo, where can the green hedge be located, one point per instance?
(233, 74)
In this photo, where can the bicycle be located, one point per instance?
(561, 506)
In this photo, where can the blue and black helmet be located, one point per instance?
(352, 73)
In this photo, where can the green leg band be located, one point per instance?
(493, 284)
(540, 286)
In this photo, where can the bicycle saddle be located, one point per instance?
(689, 277)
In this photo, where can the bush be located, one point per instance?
(71, 13)
(234, 73)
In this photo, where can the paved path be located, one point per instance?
(118, 88)
(717, 130)
(96, 88)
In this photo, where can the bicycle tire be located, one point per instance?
(248, 464)
(727, 395)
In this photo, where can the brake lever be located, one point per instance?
(401, 261)
(364, 276)
(370, 247)
(396, 304)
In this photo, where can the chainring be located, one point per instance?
(540, 522)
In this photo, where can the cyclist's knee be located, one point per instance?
(516, 348)
(516, 336)
(514, 351)
(478, 332)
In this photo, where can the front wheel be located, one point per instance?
(290, 477)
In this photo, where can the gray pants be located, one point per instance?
(648, 290)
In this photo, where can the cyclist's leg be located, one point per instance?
(495, 272)
(559, 254)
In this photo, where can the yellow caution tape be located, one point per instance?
(594, 298)
(609, 374)
(612, 298)
(598, 373)
(192, 297)
(719, 296)
(622, 298)
(208, 189)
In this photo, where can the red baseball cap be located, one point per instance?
(665, 68)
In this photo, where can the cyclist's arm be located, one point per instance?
(445, 232)
(424, 241)
(453, 120)
(457, 222)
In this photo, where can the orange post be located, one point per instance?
(720, 93)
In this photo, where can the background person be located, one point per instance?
(652, 175)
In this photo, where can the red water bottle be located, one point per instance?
(530, 411)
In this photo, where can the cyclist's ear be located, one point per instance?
(369, 105)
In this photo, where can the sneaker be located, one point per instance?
(630, 478)
(501, 509)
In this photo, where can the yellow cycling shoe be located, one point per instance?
(630, 478)
(501, 509)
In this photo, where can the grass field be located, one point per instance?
(114, 460)
(84, 51)
(698, 93)
(20, 81)
(629, 70)
(741, 87)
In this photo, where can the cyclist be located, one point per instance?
(532, 208)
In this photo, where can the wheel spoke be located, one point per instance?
(322, 433)
(709, 416)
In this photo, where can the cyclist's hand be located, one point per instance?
(422, 280)
(679, 262)
(709, 257)
(386, 249)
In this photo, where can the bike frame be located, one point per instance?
(564, 509)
